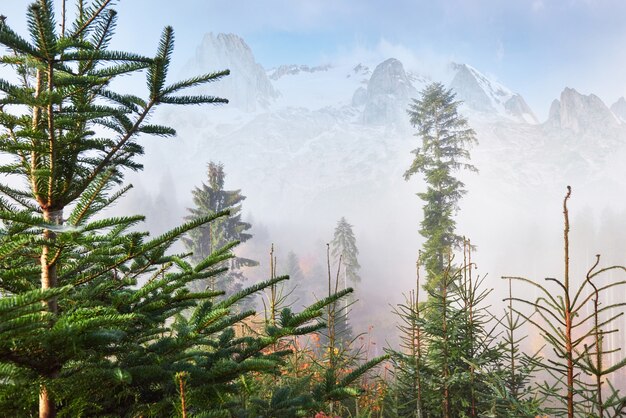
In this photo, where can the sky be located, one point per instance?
(535, 47)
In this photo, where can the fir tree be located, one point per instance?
(409, 364)
(477, 346)
(337, 356)
(344, 245)
(575, 323)
(209, 199)
(49, 119)
(299, 294)
(514, 394)
(445, 138)
(449, 347)
(345, 255)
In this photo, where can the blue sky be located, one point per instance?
(535, 47)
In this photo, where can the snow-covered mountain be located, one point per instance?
(619, 109)
(481, 94)
(248, 87)
(293, 69)
(581, 113)
(324, 129)
(387, 95)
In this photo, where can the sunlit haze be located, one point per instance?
(317, 128)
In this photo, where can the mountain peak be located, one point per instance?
(285, 70)
(619, 109)
(247, 87)
(469, 86)
(388, 93)
(579, 113)
(389, 77)
(227, 39)
(481, 94)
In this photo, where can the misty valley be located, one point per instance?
(385, 234)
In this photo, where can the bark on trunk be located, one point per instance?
(47, 408)
(48, 266)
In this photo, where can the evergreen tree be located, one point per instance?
(49, 120)
(299, 294)
(447, 378)
(450, 350)
(408, 364)
(575, 324)
(344, 245)
(209, 199)
(445, 138)
(476, 350)
(345, 255)
(514, 394)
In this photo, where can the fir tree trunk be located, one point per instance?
(49, 280)
(470, 307)
(512, 376)
(598, 337)
(444, 329)
(417, 355)
(417, 346)
(47, 409)
(47, 262)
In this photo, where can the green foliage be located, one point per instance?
(96, 318)
(574, 324)
(318, 376)
(301, 292)
(445, 138)
(462, 348)
(512, 383)
(409, 362)
(451, 355)
(285, 401)
(345, 254)
(209, 199)
(344, 246)
(449, 344)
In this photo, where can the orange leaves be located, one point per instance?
(323, 415)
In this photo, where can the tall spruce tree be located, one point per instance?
(445, 139)
(211, 198)
(453, 328)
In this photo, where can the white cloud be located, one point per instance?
(423, 60)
